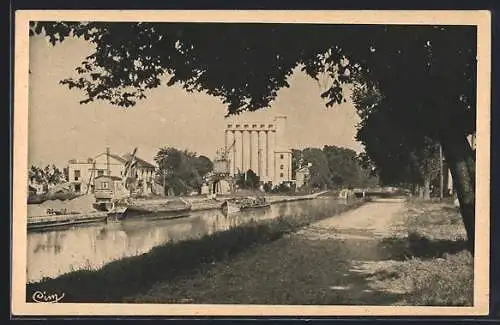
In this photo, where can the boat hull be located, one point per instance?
(230, 207)
(131, 208)
(103, 206)
(257, 206)
(117, 213)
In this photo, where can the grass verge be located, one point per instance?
(437, 269)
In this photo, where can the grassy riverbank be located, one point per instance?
(134, 275)
(437, 270)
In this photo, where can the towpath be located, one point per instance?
(333, 261)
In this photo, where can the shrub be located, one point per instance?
(268, 187)
(282, 188)
(40, 198)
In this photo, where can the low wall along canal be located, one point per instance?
(53, 252)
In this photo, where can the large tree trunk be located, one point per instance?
(460, 157)
(414, 189)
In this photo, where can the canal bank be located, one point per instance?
(127, 276)
(313, 265)
(43, 222)
(383, 253)
(207, 204)
(92, 216)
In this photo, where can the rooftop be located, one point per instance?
(123, 159)
(140, 162)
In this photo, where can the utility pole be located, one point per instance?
(107, 161)
(164, 189)
(90, 178)
(441, 176)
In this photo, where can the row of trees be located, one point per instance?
(331, 167)
(399, 158)
(181, 171)
(250, 180)
(334, 167)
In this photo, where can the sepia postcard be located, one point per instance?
(251, 163)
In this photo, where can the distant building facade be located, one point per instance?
(302, 176)
(261, 147)
(83, 173)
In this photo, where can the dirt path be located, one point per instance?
(334, 261)
(372, 220)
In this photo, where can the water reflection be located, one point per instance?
(58, 251)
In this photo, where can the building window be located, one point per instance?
(282, 166)
(281, 175)
(282, 156)
(100, 172)
(78, 188)
(77, 175)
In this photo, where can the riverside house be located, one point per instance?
(82, 174)
(302, 176)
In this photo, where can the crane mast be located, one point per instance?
(223, 155)
(222, 169)
(126, 171)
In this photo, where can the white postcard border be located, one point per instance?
(482, 19)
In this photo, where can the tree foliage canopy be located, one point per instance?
(334, 167)
(399, 157)
(418, 79)
(248, 180)
(408, 64)
(181, 170)
(46, 176)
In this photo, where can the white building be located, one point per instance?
(261, 147)
(82, 173)
(302, 176)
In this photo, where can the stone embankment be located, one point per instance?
(65, 219)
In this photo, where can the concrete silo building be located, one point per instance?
(261, 147)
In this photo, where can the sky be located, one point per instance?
(61, 129)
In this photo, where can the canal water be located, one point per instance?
(53, 252)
